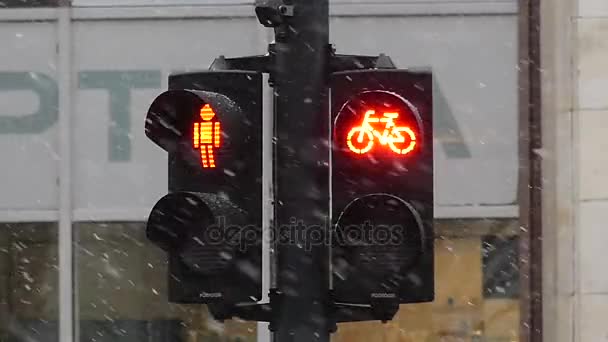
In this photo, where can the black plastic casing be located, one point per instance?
(236, 182)
(408, 178)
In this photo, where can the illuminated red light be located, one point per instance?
(383, 129)
(206, 136)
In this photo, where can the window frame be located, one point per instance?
(531, 172)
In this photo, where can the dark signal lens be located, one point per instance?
(379, 236)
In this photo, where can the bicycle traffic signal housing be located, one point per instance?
(210, 222)
(382, 186)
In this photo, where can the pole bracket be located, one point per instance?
(272, 13)
(260, 63)
(358, 62)
(337, 62)
(260, 312)
(380, 309)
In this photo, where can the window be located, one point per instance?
(120, 61)
(500, 266)
(461, 310)
(121, 284)
(28, 281)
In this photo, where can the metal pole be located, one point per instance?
(531, 173)
(301, 172)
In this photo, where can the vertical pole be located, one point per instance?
(66, 266)
(301, 172)
(531, 175)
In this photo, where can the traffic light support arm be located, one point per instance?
(356, 62)
(265, 63)
(381, 309)
(263, 312)
(249, 63)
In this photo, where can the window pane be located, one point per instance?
(474, 96)
(461, 310)
(29, 100)
(122, 296)
(500, 266)
(28, 281)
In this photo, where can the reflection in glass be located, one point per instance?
(122, 292)
(462, 310)
(28, 281)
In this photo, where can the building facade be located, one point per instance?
(78, 176)
(575, 68)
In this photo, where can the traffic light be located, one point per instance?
(379, 173)
(210, 222)
(382, 186)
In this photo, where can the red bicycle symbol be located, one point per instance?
(400, 139)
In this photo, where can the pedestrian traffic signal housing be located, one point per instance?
(382, 186)
(210, 222)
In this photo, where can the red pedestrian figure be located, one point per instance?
(207, 136)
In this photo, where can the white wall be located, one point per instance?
(575, 55)
(591, 123)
